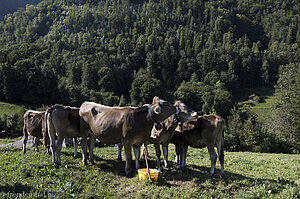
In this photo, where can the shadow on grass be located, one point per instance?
(16, 188)
(193, 175)
(200, 174)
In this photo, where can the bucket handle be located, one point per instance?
(145, 154)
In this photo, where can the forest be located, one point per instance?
(125, 52)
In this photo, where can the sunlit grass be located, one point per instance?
(262, 108)
(8, 108)
(248, 175)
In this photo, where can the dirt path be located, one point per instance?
(19, 143)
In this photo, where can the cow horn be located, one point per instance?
(155, 99)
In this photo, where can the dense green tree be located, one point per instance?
(67, 51)
(286, 113)
(144, 88)
(191, 93)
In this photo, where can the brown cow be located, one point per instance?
(205, 131)
(65, 122)
(164, 135)
(33, 125)
(130, 126)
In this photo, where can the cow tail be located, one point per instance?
(46, 138)
(221, 155)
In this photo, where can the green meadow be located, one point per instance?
(263, 107)
(248, 175)
(8, 108)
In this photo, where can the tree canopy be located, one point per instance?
(125, 52)
(100, 46)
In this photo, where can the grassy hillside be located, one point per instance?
(261, 108)
(8, 108)
(248, 175)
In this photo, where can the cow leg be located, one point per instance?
(91, 149)
(220, 149)
(84, 149)
(144, 145)
(158, 153)
(25, 138)
(58, 149)
(183, 155)
(128, 158)
(52, 136)
(120, 146)
(177, 150)
(36, 140)
(75, 141)
(137, 152)
(213, 158)
(165, 151)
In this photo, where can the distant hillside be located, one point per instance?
(105, 50)
(10, 6)
(261, 105)
(8, 109)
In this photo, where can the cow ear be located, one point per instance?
(191, 124)
(188, 126)
(155, 99)
(157, 110)
(179, 129)
(184, 127)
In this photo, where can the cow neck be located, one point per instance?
(175, 119)
(151, 116)
(174, 116)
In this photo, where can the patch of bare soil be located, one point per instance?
(187, 184)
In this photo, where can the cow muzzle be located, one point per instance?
(195, 114)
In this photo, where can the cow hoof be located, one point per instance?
(128, 174)
(84, 163)
(222, 174)
(58, 163)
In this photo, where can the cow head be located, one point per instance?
(185, 113)
(160, 110)
(197, 123)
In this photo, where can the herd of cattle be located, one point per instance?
(159, 123)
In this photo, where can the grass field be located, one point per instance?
(248, 175)
(8, 108)
(7, 141)
(262, 108)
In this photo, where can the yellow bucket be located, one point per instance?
(143, 174)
